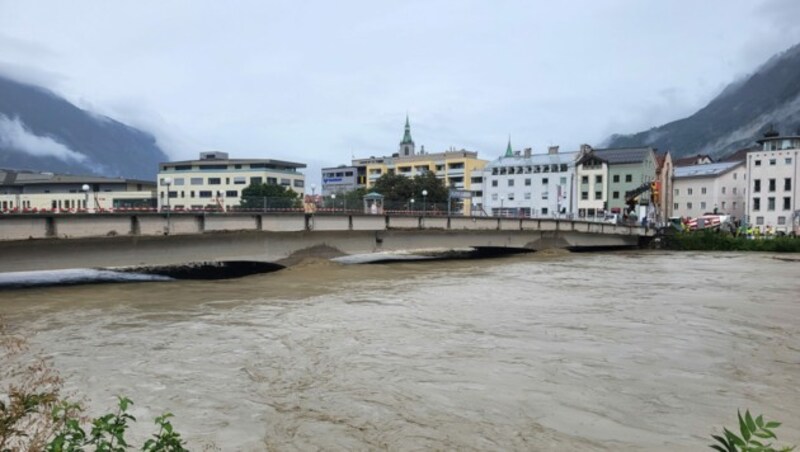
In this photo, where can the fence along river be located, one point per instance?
(547, 351)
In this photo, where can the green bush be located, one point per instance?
(716, 241)
(755, 436)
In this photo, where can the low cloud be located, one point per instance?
(14, 135)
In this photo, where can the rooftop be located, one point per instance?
(623, 155)
(9, 177)
(707, 170)
(216, 161)
(534, 159)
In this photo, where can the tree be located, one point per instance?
(258, 196)
(394, 187)
(437, 192)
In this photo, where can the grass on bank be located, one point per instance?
(716, 241)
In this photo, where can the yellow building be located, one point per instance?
(454, 167)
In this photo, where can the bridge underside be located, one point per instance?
(279, 247)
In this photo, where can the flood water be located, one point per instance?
(608, 351)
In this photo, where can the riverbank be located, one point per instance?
(714, 241)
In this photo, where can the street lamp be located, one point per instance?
(424, 202)
(85, 189)
(313, 189)
(502, 198)
(333, 200)
(412, 204)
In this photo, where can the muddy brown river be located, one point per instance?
(550, 351)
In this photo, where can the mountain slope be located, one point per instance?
(42, 131)
(736, 117)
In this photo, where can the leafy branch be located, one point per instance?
(755, 434)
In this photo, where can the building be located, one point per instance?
(216, 181)
(773, 173)
(530, 185)
(456, 168)
(30, 190)
(713, 188)
(342, 179)
(591, 174)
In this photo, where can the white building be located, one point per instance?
(22, 191)
(216, 181)
(773, 173)
(710, 188)
(530, 185)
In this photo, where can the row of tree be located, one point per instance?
(393, 187)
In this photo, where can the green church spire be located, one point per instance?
(407, 135)
(509, 151)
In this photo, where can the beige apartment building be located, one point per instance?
(713, 188)
(216, 181)
(22, 191)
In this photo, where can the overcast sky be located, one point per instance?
(319, 81)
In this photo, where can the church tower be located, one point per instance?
(407, 145)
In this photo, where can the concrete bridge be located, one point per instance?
(40, 241)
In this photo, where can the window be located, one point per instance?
(545, 181)
(787, 184)
(239, 180)
(787, 203)
(772, 185)
(584, 195)
(688, 206)
(196, 181)
(702, 190)
(675, 206)
(788, 160)
(781, 221)
(584, 179)
(734, 205)
(191, 194)
(758, 162)
(689, 191)
(214, 181)
(527, 182)
(677, 192)
(494, 183)
(544, 210)
(173, 194)
(237, 166)
(298, 183)
(615, 178)
(734, 190)
(494, 196)
(256, 181)
(178, 181)
(756, 185)
(511, 182)
(511, 196)
(598, 179)
(628, 178)
(231, 194)
(760, 220)
(544, 195)
(272, 181)
(723, 205)
(771, 162)
(528, 195)
(703, 206)
(204, 194)
(598, 195)
(756, 204)
(734, 176)
(183, 167)
(615, 195)
(723, 190)
(286, 182)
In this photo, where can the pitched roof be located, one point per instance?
(691, 160)
(706, 170)
(738, 156)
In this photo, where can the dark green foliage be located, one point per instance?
(754, 436)
(258, 196)
(715, 241)
(395, 187)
